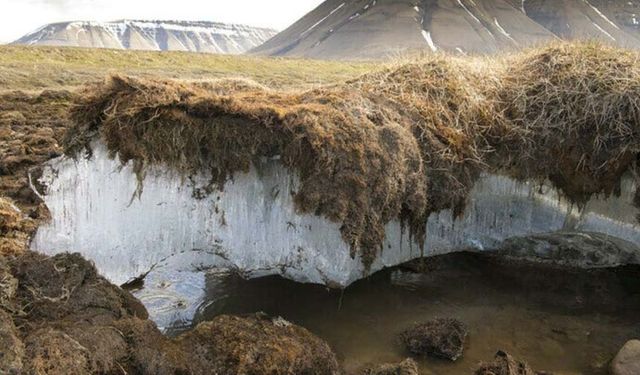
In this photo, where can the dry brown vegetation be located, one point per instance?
(44, 67)
(31, 128)
(397, 144)
(15, 229)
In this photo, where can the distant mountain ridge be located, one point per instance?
(357, 29)
(197, 36)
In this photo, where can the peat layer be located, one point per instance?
(397, 144)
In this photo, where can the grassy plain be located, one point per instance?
(37, 68)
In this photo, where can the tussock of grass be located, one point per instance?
(576, 109)
(398, 144)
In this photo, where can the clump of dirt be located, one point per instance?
(15, 229)
(149, 352)
(505, 364)
(58, 316)
(8, 286)
(65, 314)
(50, 351)
(32, 126)
(443, 338)
(53, 288)
(398, 144)
(258, 345)
(406, 367)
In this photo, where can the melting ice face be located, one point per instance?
(174, 234)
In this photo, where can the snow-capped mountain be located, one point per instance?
(151, 35)
(348, 29)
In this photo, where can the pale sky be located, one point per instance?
(19, 17)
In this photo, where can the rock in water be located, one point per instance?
(442, 338)
(505, 364)
(406, 367)
(627, 362)
(570, 249)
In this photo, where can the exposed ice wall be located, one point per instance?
(252, 226)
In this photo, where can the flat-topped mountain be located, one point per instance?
(151, 35)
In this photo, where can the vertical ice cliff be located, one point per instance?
(176, 231)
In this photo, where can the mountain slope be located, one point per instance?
(606, 20)
(151, 35)
(348, 29)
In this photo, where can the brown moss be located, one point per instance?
(257, 345)
(49, 351)
(53, 288)
(72, 321)
(15, 229)
(398, 144)
(149, 352)
(8, 286)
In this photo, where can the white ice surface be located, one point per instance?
(252, 226)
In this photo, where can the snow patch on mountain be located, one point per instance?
(199, 36)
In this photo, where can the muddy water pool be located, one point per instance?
(559, 320)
